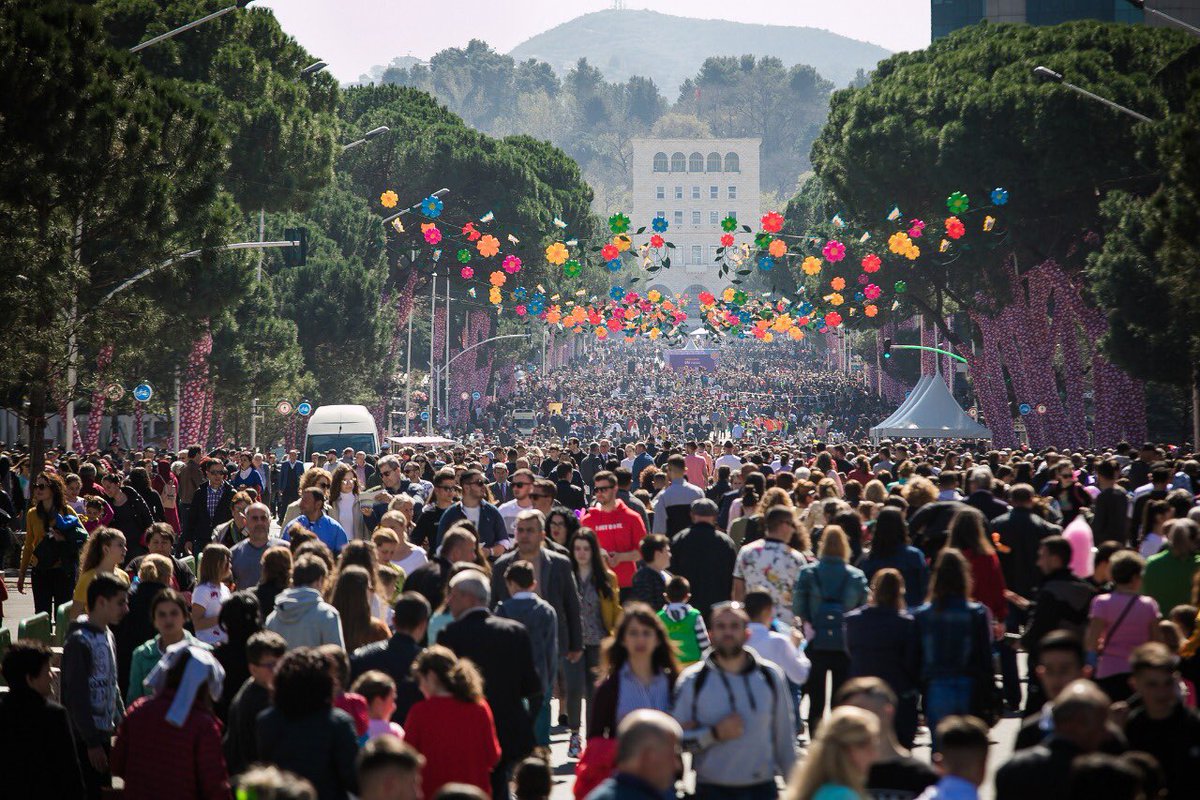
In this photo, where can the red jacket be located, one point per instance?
(987, 583)
(458, 741)
(158, 760)
(618, 531)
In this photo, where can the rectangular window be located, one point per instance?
(695, 217)
(733, 215)
(678, 192)
(733, 193)
(712, 192)
(660, 213)
(695, 192)
(713, 218)
(660, 193)
(696, 254)
(678, 218)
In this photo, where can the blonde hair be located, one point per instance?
(919, 492)
(828, 761)
(212, 563)
(156, 569)
(834, 543)
(775, 497)
(382, 535)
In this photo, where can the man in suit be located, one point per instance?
(394, 656)
(212, 504)
(290, 472)
(567, 493)
(493, 534)
(704, 556)
(501, 489)
(502, 650)
(979, 486)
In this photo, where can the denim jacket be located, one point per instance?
(955, 637)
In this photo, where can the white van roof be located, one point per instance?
(341, 415)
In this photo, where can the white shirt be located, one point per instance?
(779, 650)
(211, 597)
(412, 561)
(729, 460)
(509, 512)
(473, 514)
(347, 511)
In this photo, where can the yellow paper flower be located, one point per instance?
(811, 265)
(912, 253)
(494, 296)
(838, 283)
(777, 248)
(557, 254)
(796, 333)
(622, 242)
(768, 337)
(727, 295)
(899, 242)
(601, 332)
(836, 299)
(389, 199)
(654, 333)
(654, 295)
(498, 278)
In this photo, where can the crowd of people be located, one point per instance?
(789, 615)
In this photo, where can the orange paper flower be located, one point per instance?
(488, 246)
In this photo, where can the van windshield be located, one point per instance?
(323, 442)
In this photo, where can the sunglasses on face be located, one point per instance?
(538, 496)
(445, 487)
(41, 486)
(522, 483)
(605, 488)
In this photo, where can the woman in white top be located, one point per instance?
(343, 500)
(216, 567)
(406, 555)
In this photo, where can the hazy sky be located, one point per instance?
(354, 35)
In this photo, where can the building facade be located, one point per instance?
(693, 184)
(947, 16)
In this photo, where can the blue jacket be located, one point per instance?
(883, 644)
(830, 573)
(910, 562)
(956, 639)
(492, 529)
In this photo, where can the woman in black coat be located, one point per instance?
(38, 757)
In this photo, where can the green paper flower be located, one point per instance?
(958, 203)
(572, 268)
(739, 297)
(901, 287)
(762, 240)
(618, 223)
(729, 224)
(464, 256)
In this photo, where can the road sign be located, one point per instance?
(424, 415)
(114, 391)
(1041, 409)
(304, 409)
(475, 396)
(972, 412)
(284, 408)
(1025, 408)
(464, 395)
(143, 392)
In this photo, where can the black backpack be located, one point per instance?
(829, 623)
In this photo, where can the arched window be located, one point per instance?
(678, 162)
(714, 162)
(660, 162)
(731, 162)
(696, 163)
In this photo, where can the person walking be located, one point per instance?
(1119, 622)
(838, 759)
(599, 614)
(619, 529)
(704, 556)
(53, 537)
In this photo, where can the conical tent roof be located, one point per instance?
(930, 411)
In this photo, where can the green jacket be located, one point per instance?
(1168, 579)
(145, 657)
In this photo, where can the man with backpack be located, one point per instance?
(736, 712)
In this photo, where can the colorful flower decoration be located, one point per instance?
(898, 242)
(727, 295)
(871, 263)
(467, 273)
(622, 242)
(557, 254)
(838, 283)
(618, 223)
(431, 233)
(772, 222)
(912, 253)
(464, 255)
(811, 265)
(726, 240)
(901, 287)
(706, 298)
(870, 310)
(488, 246)
(494, 297)
(729, 224)
(739, 296)
(609, 251)
(613, 265)
(432, 207)
(537, 306)
(833, 319)
(389, 199)
(999, 196)
(958, 202)
(862, 279)
(521, 310)
(955, 228)
(511, 264)
(777, 248)
(659, 225)
(834, 251)
(616, 293)
(859, 297)
(762, 240)
(654, 295)
(915, 228)
(872, 292)
(615, 323)
(989, 223)
(766, 263)
(836, 299)
(572, 268)
(520, 294)
(469, 231)
(497, 278)
(656, 241)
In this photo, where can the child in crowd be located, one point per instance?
(97, 514)
(388, 581)
(264, 650)
(650, 580)
(379, 690)
(216, 567)
(685, 625)
(533, 780)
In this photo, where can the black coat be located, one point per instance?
(321, 746)
(289, 480)
(502, 650)
(1021, 532)
(704, 556)
(38, 755)
(1110, 516)
(884, 644)
(648, 587)
(394, 657)
(556, 585)
(1042, 772)
(987, 504)
(135, 628)
(199, 524)
(569, 495)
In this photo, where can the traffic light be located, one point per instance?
(887, 348)
(296, 256)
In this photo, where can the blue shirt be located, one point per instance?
(327, 529)
(632, 694)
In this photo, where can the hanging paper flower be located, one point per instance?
(431, 233)
(520, 293)
(521, 310)
(618, 223)
(728, 294)
(656, 241)
(464, 256)
(613, 265)
(955, 228)
(833, 319)
(912, 253)
(838, 283)
(553, 315)
(958, 202)
(659, 224)
(915, 228)
(706, 298)
(615, 323)
(871, 262)
(557, 253)
(622, 242)
(762, 240)
(871, 310)
(901, 287)
(772, 222)
(872, 292)
(654, 295)
(834, 251)
(488, 246)
(601, 332)
(811, 265)
(863, 279)
(572, 268)
(432, 207)
(729, 224)
(989, 223)
(389, 199)
(999, 196)
(766, 263)
(859, 297)
(796, 333)
(469, 231)
(898, 242)
(616, 293)
(497, 278)
(494, 296)
(778, 248)
(944, 246)
(726, 240)
(609, 251)
(836, 299)
(739, 296)
(467, 273)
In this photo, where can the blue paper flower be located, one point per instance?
(614, 265)
(537, 306)
(659, 224)
(805, 309)
(999, 196)
(765, 263)
(431, 207)
(616, 293)
(520, 293)
(859, 297)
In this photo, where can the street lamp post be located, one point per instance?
(1050, 76)
(137, 48)
(366, 137)
(1141, 4)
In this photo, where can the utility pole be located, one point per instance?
(175, 416)
(432, 354)
(408, 372)
(73, 345)
(253, 424)
(446, 376)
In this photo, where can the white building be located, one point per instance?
(693, 184)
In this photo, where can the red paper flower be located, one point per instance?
(871, 263)
(707, 299)
(609, 252)
(470, 232)
(655, 241)
(833, 319)
(772, 222)
(727, 240)
(955, 228)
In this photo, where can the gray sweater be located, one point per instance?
(539, 619)
(767, 747)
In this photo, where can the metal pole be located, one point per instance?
(72, 344)
(432, 354)
(169, 34)
(1192, 29)
(878, 369)
(1114, 106)
(262, 237)
(446, 376)
(175, 417)
(408, 372)
(253, 423)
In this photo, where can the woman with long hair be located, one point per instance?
(453, 726)
(640, 671)
(53, 537)
(956, 640)
(276, 576)
(139, 481)
(362, 553)
(600, 612)
(562, 526)
(839, 758)
(825, 466)
(240, 618)
(211, 593)
(352, 594)
(104, 551)
(890, 548)
(343, 499)
(968, 535)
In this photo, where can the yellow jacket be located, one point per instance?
(610, 607)
(35, 530)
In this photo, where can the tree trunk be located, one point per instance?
(1195, 405)
(36, 419)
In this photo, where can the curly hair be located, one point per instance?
(303, 683)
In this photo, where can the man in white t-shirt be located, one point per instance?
(522, 484)
(728, 459)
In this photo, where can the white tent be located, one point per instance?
(930, 411)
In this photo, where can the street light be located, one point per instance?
(1050, 76)
(193, 24)
(366, 137)
(1141, 5)
(313, 68)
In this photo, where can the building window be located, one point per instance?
(678, 192)
(660, 162)
(678, 218)
(678, 162)
(696, 256)
(660, 192)
(731, 162)
(712, 218)
(712, 192)
(714, 162)
(661, 214)
(695, 192)
(695, 163)
(733, 193)
(712, 254)
(695, 217)
(733, 215)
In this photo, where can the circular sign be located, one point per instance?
(304, 409)
(114, 391)
(143, 392)
(464, 395)
(475, 396)
(424, 415)
(972, 412)
(283, 408)
(1041, 409)
(1024, 408)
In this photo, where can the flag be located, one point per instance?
(513, 239)
(398, 225)
(837, 221)
(559, 223)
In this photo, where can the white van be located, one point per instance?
(525, 422)
(339, 427)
